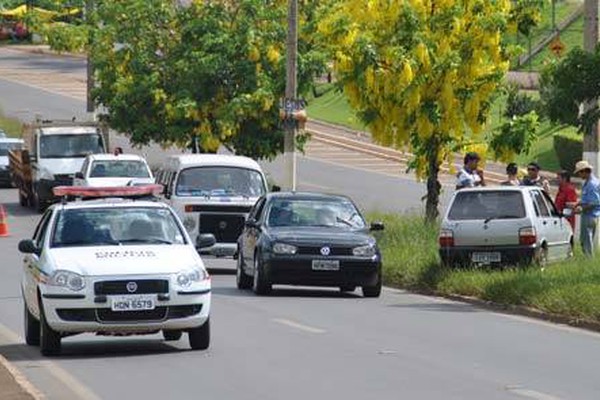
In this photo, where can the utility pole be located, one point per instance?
(89, 65)
(289, 142)
(590, 40)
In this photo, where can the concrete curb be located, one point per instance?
(43, 49)
(523, 311)
(21, 380)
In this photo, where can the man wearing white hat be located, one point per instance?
(589, 205)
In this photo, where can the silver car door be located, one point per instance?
(561, 229)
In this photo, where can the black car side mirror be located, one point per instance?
(205, 240)
(27, 246)
(251, 223)
(377, 226)
(79, 175)
(275, 188)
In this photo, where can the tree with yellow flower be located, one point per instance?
(420, 73)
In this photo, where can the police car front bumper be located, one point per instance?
(77, 312)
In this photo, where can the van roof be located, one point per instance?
(213, 160)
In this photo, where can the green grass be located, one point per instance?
(409, 248)
(11, 126)
(332, 106)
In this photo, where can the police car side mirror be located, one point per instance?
(205, 240)
(79, 175)
(27, 246)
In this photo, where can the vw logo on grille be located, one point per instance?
(325, 251)
(131, 287)
(222, 225)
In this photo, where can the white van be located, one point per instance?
(212, 194)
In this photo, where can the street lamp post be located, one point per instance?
(590, 40)
(89, 66)
(289, 143)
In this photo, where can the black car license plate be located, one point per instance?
(326, 265)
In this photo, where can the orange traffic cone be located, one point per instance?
(3, 222)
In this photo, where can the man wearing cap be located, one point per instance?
(470, 175)
(588, 206)
(533, 177)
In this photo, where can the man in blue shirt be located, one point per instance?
(589, 206)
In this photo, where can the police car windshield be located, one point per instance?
(324, 213)
(116, 226)
(220, 181)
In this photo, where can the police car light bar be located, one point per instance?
(115, 191)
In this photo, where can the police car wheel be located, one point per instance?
(172, 336)
(49, 338)
(32, 328)
(200, 337)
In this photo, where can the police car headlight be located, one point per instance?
(187, 278)
(67, 279)
(364, 251)
(283, 248)
(189, 223)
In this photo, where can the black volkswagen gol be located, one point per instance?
(308, 239)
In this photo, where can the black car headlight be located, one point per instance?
(364, 251)
(283, 248)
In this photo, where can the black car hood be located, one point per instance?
(320, 235)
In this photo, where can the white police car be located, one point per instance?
(113, 266)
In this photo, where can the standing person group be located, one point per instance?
(588, 206)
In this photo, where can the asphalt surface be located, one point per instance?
(301, 343)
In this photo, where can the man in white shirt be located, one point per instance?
(470, 175)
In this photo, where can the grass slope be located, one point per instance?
(11, 126)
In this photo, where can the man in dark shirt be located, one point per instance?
(533, 177)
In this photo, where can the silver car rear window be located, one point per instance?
(499, 204)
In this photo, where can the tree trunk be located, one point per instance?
(434, 188)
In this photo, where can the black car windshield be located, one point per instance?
(338, 213)
(70, 145)
(5, 147)
(119, 169)
(472, 205)
(220, 181)
(116, 226)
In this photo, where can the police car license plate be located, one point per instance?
(132, 303)
(486, 258)
(325, 265)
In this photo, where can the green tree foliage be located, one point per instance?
(515, 136)
(422, 74)
(570, 83)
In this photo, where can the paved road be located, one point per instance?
(302, 343)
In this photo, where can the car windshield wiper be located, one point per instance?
(147, 240)
(343, 221)
(507, 216)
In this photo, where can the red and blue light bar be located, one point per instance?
(113, 191)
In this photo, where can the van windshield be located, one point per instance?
(220, 181)
(70, 146)
(471, 205)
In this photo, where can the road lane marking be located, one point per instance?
(530, 394)
(83, 392)
(299, 326)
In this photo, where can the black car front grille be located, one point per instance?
(107, 315)
(333, 251)
(143, 286)
(226, 228)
